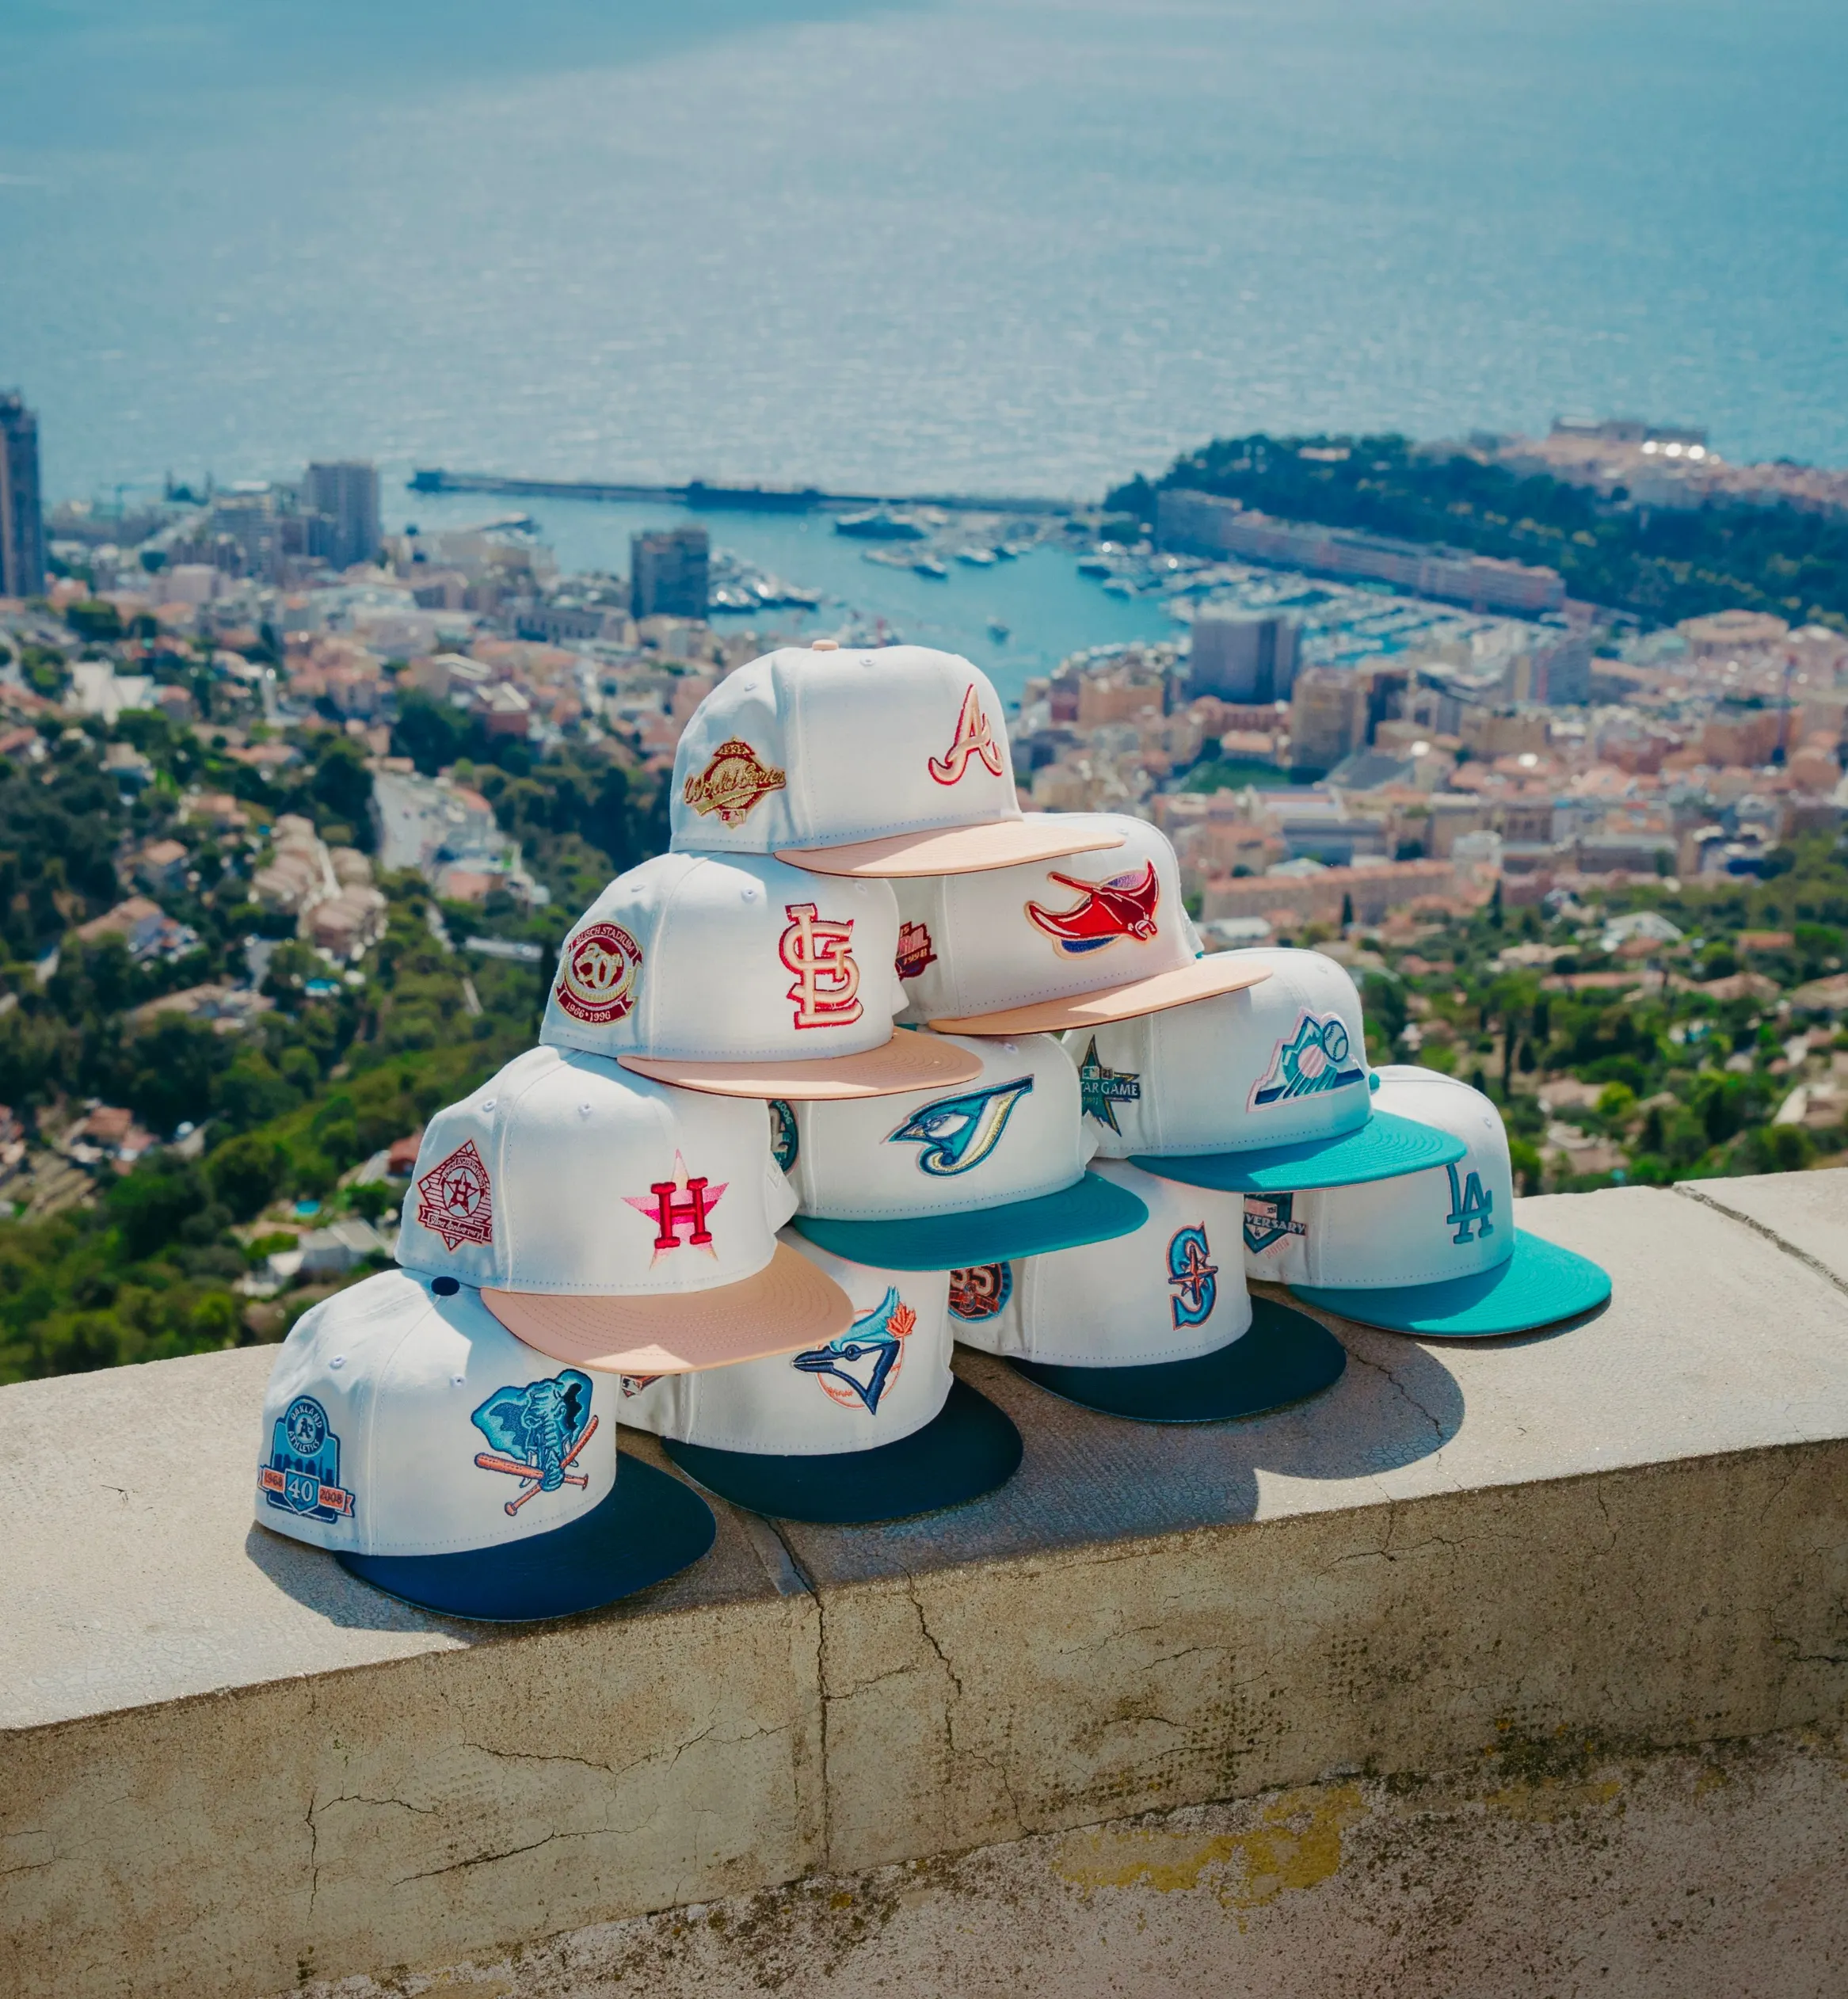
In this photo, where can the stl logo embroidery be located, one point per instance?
(303, 1476)
(915, 950)
(863, 1362)
(734, 780)
(1269, 1219)
(981, 1291)
(537, 1432)
(1313, 1059)
(680, 1203)
(1124, 906)
(597, 974)
(1471, 1205)
(959, 1132)
(1102, 1089)
(826, 977)
(785, 1136)
(973, 740)
(455, 1200)
(1195, 1280)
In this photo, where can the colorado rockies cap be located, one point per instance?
(935, 1179)
(889, 762)
(406, 1431)
(1049, 946)
(1158, 1325)
(740, 975)
(871, 1425)
(614, 1222)
(1435, 1252)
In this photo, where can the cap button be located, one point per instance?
(824, 645)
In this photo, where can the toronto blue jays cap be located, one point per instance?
(409, 1433)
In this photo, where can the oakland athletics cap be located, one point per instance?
(614, 1222)
(1435, 1252)
(872, 1425)
(889, 762)
(742, 975)
(409, 1433)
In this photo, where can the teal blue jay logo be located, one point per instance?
(1471, 1205)
(1315, 1057)
(958, 1133)
(1196, 1278)
(537, 1433)
(859, 1366)
(303, 1476)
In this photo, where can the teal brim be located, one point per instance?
(1285, 1357)
(1092, 1210)
(970, 1447)
(1386, 1146)
(1539, 1285)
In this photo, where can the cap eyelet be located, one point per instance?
(339, 1360)
(444, 1287)
(457, 1381)
(584, 1111)
(488, 1103)
(748, 892)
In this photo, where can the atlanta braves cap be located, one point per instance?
(889, 762)
(409, 1433)
(740, 975)
(872, 1425)
(614, 1222)
(1156, 1325)
(935, 1179)
(1435, 1252)
(1054, 945)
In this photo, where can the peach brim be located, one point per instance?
(956, 850)
(789, 1303)
(909, 1061)
(1202, 980)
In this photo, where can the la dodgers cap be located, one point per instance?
(1054, 945)
(408, 1433)
(890, 761)
(871, 1425)
(1435, 1252)
(934, 1179)
(614, 1222)
(1157, 1326)
(740, 975)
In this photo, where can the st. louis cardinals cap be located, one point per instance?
(409, 1433)
(889, 762)
(935, 1179)
(1158, 1325)
(1435, 1252)
(614, 1222)
(1054, 945)
(740, 975)
(872, 1425)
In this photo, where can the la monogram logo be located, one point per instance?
(826, 978)
(972, 739)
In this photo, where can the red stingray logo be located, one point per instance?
(1124, 906)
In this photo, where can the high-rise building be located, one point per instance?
(22, 525)
(1327, 717)
(1243, 656)
(668, 572)
(347, 493)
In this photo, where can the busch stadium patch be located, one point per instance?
(1269, 1219)
(303, 1476)
(1124, 906)
(859, 1366)
(1316, 1056)
(455, 1200)
(734, 779)
(537, 1433)
(981, 1292)
(597, 974)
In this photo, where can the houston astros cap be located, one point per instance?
(889, 762)
(407, 1432)
(614, 1222)
(740, 975)
(1156, 1325)
(935, 1179)
(871, 1425)
(1435, 1252)
(1058, 944)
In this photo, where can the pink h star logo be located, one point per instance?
(679, 1204)
(826, 977)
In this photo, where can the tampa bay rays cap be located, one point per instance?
(1156, 1325)
(741, 975)
(935, 1179)
(614, 1222)
(890, 761)
(407, 1432)
(1059, 944)
(1435, 1252)
(870, 1425)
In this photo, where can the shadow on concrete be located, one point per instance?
(317, 1581)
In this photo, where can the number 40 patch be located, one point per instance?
(1471, 1205)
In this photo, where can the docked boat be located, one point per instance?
(976, 558)
(932, 565)
(879, 524)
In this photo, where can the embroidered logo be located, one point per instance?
(826, 977)
(863, 1362)
(786, 1137)
(537, 1432)
(1269, 1219)
(1315, 1058)
(455, 1200)
(679, 1204)
(1102, 1089)
(632, 1384)
(972, 740)
(957, 1133)
(1195, 1280)
(1124, 906)
(914, 950)
(597, 974)
(981, 1291)
(734, 780)
(1471, 1205)
(303, 1476)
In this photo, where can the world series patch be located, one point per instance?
(735, 778)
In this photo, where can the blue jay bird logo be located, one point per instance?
(1315, 1057)
(1195, 1279)
(537, 1433)
(860, 1365)
(959, 1132)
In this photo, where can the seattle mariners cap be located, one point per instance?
(935, 1179)
(409, 1433)
(1054, 945)
(872, 1425)
(1158, 1325)
(740, 975)
(1435, 1252)
(1263, 1090)
(614, 1222)
(890, 761)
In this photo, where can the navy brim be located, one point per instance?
(1285, 1357)
(970, 1447)
(1092, 1210)
(1539, 1285)
(650, 1527)
(1386, 1146)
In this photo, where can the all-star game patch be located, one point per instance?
(1101, 1089)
